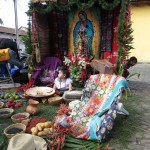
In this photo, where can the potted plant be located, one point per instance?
(78, 68)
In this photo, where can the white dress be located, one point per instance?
(62, 83)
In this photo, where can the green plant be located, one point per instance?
(27, 39)
(74, 144)
(1, 21)
(124, 35)
(43, 9)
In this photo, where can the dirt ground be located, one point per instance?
(141, 87)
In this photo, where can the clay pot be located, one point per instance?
(32, 108)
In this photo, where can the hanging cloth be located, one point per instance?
(106, 30)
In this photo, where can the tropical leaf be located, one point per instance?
(74, 143)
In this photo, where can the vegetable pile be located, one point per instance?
(42, 129)
(9, 96)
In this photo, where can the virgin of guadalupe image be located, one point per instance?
(83, 34)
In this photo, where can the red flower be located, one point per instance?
(90, 110)
(83, 76)
(97, 100)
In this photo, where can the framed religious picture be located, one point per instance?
(84, 32)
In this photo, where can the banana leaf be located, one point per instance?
(77, 144)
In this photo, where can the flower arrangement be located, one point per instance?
(77, 66)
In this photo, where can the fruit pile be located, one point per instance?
(12, 104)
(9, 96)
(42, 129)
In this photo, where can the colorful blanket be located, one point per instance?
(99, 94)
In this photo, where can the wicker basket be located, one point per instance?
(40, 92)
(20, 120)
(6, 115)
(17, 125)
(55, 100)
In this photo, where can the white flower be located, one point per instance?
(66, 61)
(93, 87)
(96, 92)
(73, 113)
(102, 92)
(98, 88)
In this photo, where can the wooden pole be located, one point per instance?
(16, 23)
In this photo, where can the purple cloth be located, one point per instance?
(50, 63)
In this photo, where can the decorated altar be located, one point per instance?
(97, 29)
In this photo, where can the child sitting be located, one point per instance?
(129, 63)
(62, 83)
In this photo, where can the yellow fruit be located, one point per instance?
(39, 127)
(47, 124)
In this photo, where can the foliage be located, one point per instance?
(120, 34)
(27, 39)
(121, 70)
(124, 36)
(73, 143)
(48, 6)
(107, 5)
(85, 5)
(1, 21)
(128, 40)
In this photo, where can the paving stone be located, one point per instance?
(141, 87)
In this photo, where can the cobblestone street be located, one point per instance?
(141, 87)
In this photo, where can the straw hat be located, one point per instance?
(26, 142)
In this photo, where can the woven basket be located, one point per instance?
(17, 125)
(55, 100)
(6, 115)
(20, 120)
(40, 92)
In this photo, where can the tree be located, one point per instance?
(27, 39)
(1, 21)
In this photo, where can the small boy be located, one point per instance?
(129, 63)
